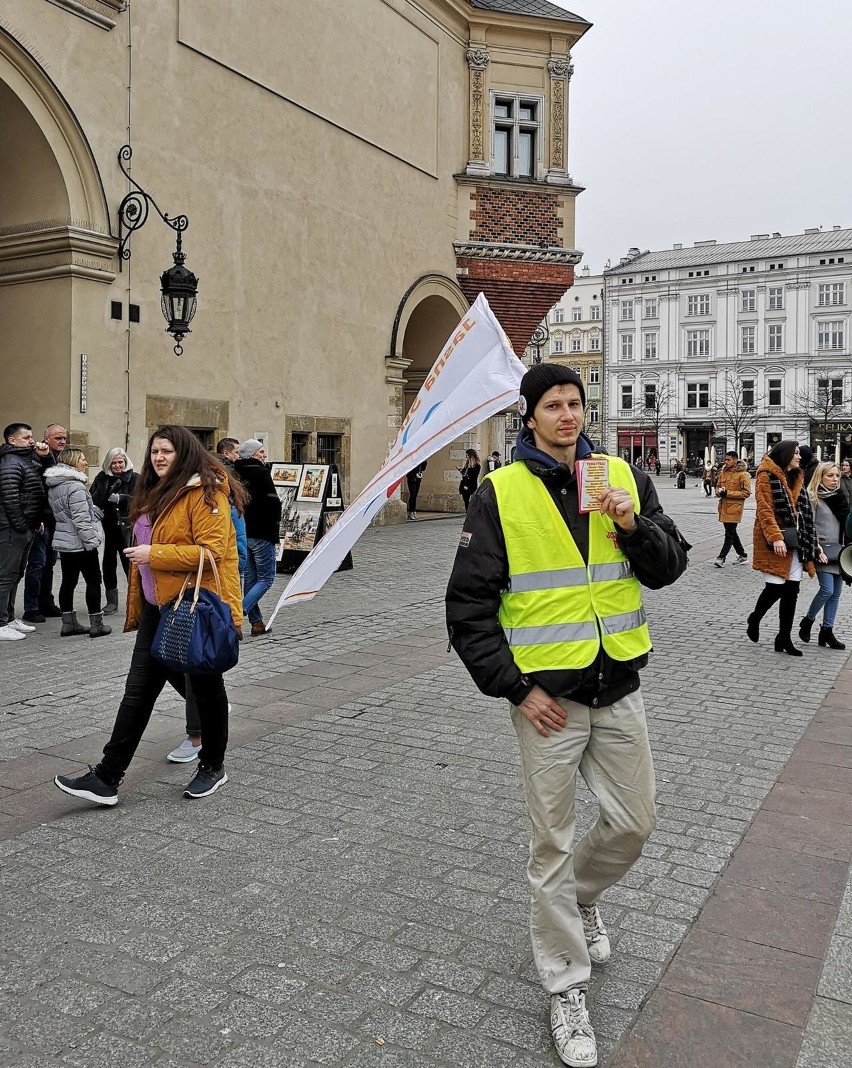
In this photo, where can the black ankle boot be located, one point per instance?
(805, 629)
(753, 628)
(827, 639)
(784, 644)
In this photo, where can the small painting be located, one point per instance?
(301, 527)
(286, 474)
(313, 482)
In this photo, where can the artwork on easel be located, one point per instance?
(286, 474)
(312, 486)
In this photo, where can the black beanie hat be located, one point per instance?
(539, 379)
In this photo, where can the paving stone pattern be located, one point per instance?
(356, 895)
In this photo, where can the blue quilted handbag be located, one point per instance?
(196, 633)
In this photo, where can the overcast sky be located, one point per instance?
(691, 121)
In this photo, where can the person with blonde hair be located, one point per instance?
(77, 538)
(830, 512)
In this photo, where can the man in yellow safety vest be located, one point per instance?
(544, 607)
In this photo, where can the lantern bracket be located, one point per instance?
(134, 209)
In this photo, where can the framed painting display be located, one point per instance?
(312, 486)
(286, 474)
(301, 528)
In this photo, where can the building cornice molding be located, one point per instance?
(566, 187)
(90, 13)
(489, 250)
(56, 250)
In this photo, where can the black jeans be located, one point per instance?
(413, 483)
(14, 548)
(145, 682)
(74, 565)
(115, 543)
(732, 538)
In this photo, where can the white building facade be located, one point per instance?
(734, 345)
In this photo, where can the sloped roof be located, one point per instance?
(757, 248)
(541, 9)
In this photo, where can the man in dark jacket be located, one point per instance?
(23, 501)
(544, 607)
(38, 579)
(263, 521)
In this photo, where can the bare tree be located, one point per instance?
(821, 403)
(655, 403)
(737, 404)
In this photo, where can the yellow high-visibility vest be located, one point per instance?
(558, 610)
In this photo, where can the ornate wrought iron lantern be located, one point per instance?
(178, 285)
(539, 338)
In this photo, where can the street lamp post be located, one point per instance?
(178, 285)
(539, 338)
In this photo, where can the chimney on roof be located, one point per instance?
(835, 227)
(710, 242)
(633, 252)
(586, 271)
(812, 230)
(677, 246)
(776, 234)
(762, 237)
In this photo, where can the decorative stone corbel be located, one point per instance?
(478, 60)
(560, 71)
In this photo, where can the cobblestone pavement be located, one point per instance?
(356, 894)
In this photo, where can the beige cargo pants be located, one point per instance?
(609, 747)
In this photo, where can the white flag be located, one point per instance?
(476, 375)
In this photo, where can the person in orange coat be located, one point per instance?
(782, 505)
(180, 506)
(733, 486)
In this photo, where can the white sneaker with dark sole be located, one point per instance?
(719, 562)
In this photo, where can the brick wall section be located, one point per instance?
(516, 216)
(520, 294)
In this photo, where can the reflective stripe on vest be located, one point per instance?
(558, 610)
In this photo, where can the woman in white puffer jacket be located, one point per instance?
(78, 537)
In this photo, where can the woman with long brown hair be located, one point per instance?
(785, 541)
(180, 507)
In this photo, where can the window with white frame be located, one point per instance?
(558, 346)
(773, 391)
(595, 312)
(776, 298)
(594, 374)
(559, 315)
(626, 396)
(831, 335)
(747, 340)
(650, 346)
(748, 300)
(747, 392)
(650, 394)
(594, 344)
(649, 308)
(577, 315)
(830, 391)
(576, 344)
(627, 346)
(516, 135)
(698, 304)
(775, 337)
(626, 309)
(831, 293)
(697, 343)
(593, 414)
(698, 394)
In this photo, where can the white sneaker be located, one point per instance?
(741, 559)
(596, 937)
(8, 633)
(572, 1032)
(719, 562)
(19, 624)
(184, 753)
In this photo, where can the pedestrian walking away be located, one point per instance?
(785, 541)
(469, 476)
(179, 508)
(39, 603)
(111, 492)
(263, 528)
(831, 510)
(733, 486)
(77, 536)
(544, 607)
(23, 505)
(708, 480)
(413, 480)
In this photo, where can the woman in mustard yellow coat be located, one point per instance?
(180, 506)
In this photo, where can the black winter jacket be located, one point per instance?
(23, 497)
(481, 574)
(263, 511)
(104, 485)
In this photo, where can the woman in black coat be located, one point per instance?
(111, 492)
(469, 476)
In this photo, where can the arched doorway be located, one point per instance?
(427, 316)
(55, 243)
